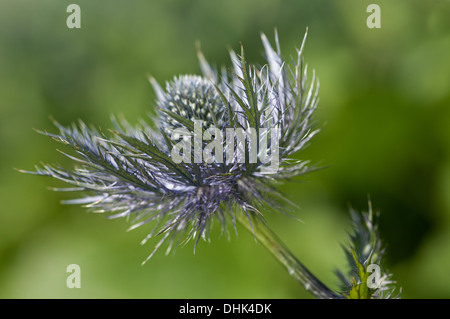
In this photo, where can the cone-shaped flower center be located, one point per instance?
(192, 97)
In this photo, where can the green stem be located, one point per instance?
(274, 245)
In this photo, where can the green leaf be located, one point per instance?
(359, 290)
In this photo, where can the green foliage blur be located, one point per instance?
(384, 112)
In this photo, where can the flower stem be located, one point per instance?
(275, 246)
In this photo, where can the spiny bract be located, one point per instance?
(366, 278)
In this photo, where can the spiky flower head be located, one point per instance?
(368, 280)
(260, 117)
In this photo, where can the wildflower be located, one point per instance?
(132, 173)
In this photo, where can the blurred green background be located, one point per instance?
(385, 118)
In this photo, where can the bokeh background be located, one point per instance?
(384, 113)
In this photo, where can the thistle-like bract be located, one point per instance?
(132, 172)
(367, 279)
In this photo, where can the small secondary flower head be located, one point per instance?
(133, 172)
(366, 279)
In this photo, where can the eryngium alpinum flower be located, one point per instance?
(364, 254)
(131, 172)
